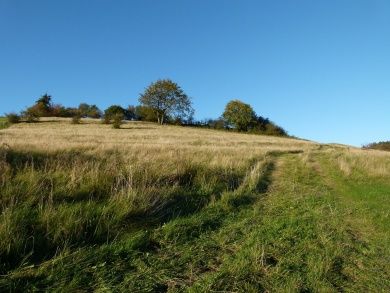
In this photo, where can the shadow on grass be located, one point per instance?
(185, 200)
(212, 217)
(261, 187)
(41, 160)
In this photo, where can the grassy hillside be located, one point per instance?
(152, 208)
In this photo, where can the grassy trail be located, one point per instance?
(294, 224)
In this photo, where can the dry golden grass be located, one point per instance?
(147, 142)
(370, 162)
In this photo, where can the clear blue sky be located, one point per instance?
(321, 69)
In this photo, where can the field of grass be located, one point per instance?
(150, 208)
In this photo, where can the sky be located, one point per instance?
(320, 69)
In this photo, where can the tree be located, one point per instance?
(144, 113)
(131, 113)
(84, 110)
(43, 106)
(94, 112)
(113, 110)
(239, 115)
(91, 111)
(166, 98)
(30, 114)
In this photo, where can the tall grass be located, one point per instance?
(85, 184)
(164, 208)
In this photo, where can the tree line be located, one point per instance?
(164, 102)
(382, 146)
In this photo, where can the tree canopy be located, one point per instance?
(113, 110)
(166, 98)
(239, 115)
(91, 111)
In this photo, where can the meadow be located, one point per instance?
(149, 208)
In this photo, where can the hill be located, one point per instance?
(150, 208)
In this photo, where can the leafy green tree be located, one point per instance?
(91, 111)
(83, 109)
(43, 106)
(239, 115)
(144, 113)
(94, 112)
(166, 98)
(113, 110)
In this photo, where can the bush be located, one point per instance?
(273, 129)
(76, 119)
(4, 123)
(30, 115)
(144, 113)
(113, 110)
(106, 120)
(117, 121)
(89, 111)
(13, 118)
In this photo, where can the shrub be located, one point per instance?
(30, 115)
(117, 121)
(144, 113)
(13, 118)
(76, 119)
(91, 111)
(113, 110)
(106, 120)
(4, 123)
(273, 129)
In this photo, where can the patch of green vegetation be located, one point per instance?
(4, 123)
(288, 222)
(382, 146)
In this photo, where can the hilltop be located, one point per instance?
(150, 208)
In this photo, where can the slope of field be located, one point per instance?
(152, 208)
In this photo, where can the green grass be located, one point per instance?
(3, 123)
(287, 221)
